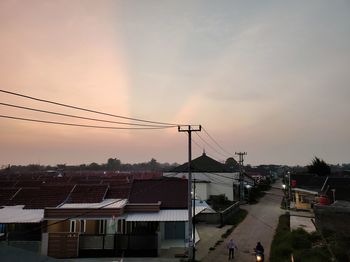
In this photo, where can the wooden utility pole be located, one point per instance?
(241, 178)
(191, 228)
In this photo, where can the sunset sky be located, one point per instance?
(267, 77)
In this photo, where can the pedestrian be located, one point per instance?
(231, 245)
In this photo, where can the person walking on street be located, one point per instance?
(231, 245)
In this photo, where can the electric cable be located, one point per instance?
(210, 146)
(222, 148)
(85, 109)
(80, 117)
(80, 125)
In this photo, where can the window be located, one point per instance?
(72, 226)
(82, 226)
(102, 226)
(120, 226)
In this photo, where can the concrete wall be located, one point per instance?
(55, 226)
(220, 217)
(44, 243)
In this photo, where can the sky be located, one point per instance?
(270, 78)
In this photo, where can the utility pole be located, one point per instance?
(241, 179)
(191, 229)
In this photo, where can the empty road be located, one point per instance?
(259, 225)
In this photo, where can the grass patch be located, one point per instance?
(303, 246)
(238, 217)
(234, 221)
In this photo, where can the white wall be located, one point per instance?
(220, 183)
(202, 191)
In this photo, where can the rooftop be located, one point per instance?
(203, 164)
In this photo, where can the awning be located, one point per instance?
(16, 214)
(305, 190)
(165, 215)
(162, 215)
(107, 203)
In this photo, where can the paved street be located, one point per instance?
(259, 225)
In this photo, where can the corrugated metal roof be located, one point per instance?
(165, 215)
(162, 215)
(16, 214)
(108, 203)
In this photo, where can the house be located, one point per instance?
(211, 178)
(153, 216)
(82, 215)
(304, 190)
(22, 211)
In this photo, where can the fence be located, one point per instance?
(107, 245)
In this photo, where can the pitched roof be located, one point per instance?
(49, 196)
(88, 194)
(40, 197)
(203, 164)
(6, 194)
(171, 192)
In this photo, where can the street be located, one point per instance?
(259, 225)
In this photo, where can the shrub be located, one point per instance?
(300, 239)
(303, 246)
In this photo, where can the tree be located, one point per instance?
(94, 166)
(153, 165)
(319, 167)
(232, 164)
(113, 164)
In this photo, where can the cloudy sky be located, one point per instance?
(267, 77)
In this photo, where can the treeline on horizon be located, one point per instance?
(114, 164)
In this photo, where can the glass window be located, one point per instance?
(82, 226)
(102, 226)
(72, 226)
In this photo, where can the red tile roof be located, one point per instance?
(88, 194)
(172, 192)
(6, 194)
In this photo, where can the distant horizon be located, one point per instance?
(161, 162)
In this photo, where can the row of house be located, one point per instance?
(79, 215)
(123, 215)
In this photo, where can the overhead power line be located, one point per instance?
(221, 147)
(79, 125)
(208, 144)
(80, 117)
(202, 148)
(85, 109)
